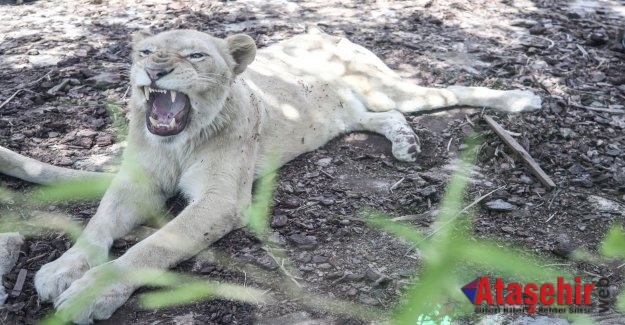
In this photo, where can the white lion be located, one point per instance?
(203, 121)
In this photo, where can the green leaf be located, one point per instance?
(80, 190)
(620, 302)
(260, 210)
(614, 243)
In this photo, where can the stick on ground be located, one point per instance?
(529, 162)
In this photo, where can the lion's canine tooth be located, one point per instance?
(153, 121)
(146, 90)
(173, 95)
(172, 123)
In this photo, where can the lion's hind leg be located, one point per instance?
(381, 89)
(393, 125)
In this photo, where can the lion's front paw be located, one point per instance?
(94, 296)
(406, 146)
(521, 101)
(56, 276)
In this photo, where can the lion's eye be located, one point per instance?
(196, 56)
(145, 53)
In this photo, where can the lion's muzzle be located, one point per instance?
(168, 111)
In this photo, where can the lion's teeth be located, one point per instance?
(146, 91)
(173, 95)
(172, 123)
(153, 121)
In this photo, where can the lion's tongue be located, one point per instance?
(166, 116)
(163, 109)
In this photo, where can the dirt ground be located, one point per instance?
(62, 63)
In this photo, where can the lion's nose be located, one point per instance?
(156, 74)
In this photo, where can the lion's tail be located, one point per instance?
(34, 171)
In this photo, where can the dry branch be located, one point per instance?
(525, 156)
(600, 109)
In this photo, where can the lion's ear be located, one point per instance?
(140, 35)
(243, 50)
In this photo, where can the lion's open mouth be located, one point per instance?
(168, 111)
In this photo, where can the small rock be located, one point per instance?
(290, 203)
(276, 238)
(104, 140)
(566, 132)
(53, 134)
(44, 60)
(207, 269)
(105, 80)
(428, 191)
(507, 229)
(304, 257)
(613, 152)
(64, 161)
(98, 122)
(266, 263)
(303, 242)
(573, 15)
(500, 205)
(598, 77)
(406, 273)
(319, 259)
(355, 277)
(563, 245)
(522, 22)
(86, 143)
(500, 194)
(526, 180)
(583, 182)
(71, 136)
(81, 53)
(324, 162)
(175, 5)
(537, 29)
(577, 169)
(120, 243)
(86, 133)
(306, 268)
(18, 137)
(287, 187)
(597, 39)
(327, 201)
(335, 275)
(367, 300)
(312, 175)
(377, 278)
(324, 266)
(279, 220)
(372, 275)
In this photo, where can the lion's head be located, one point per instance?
(180, 78)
